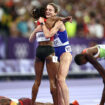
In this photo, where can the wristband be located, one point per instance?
(42, 23)
(84, 51)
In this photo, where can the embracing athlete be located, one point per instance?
(42, 49)
(62, 51)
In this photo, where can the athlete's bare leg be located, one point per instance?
(65, 61)
(60, 96)
(52, 69)
(38, 72)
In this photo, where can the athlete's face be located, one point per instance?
(83, 61)
(50, 11)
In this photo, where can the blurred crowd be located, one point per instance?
(88, 17)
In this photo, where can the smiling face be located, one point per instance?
(50, 11)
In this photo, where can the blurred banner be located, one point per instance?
(17, 56)
(20, 48)
(16, 67)
(2, 48)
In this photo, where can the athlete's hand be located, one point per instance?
(69, 18)
(31, 39)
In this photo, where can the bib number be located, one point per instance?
(68, 49)
(55, 59)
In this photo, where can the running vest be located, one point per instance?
(101, 50)
(61, 39)
(40, 37)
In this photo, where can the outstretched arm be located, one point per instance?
(64, 19)
(68, 18)
(93, 51)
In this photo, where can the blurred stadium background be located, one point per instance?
(17, 55)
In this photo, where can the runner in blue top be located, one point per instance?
(61, 43)
(62, 51)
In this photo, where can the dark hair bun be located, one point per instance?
(38, 12)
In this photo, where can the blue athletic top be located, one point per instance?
(61, 39)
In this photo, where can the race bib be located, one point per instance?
(57, 42)
(68, 49)
(40, 37)
(55, 59)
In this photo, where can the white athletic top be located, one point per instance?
(40, 37)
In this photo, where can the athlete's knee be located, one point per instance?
(36, 84)
(60, 80)
(52, 87)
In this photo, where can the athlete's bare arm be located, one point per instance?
(33, 34)
(49, 24)
(49, 33)
(97, 65)
(64, 19)
(93, 51)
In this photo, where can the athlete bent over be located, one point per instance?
(91, 55)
